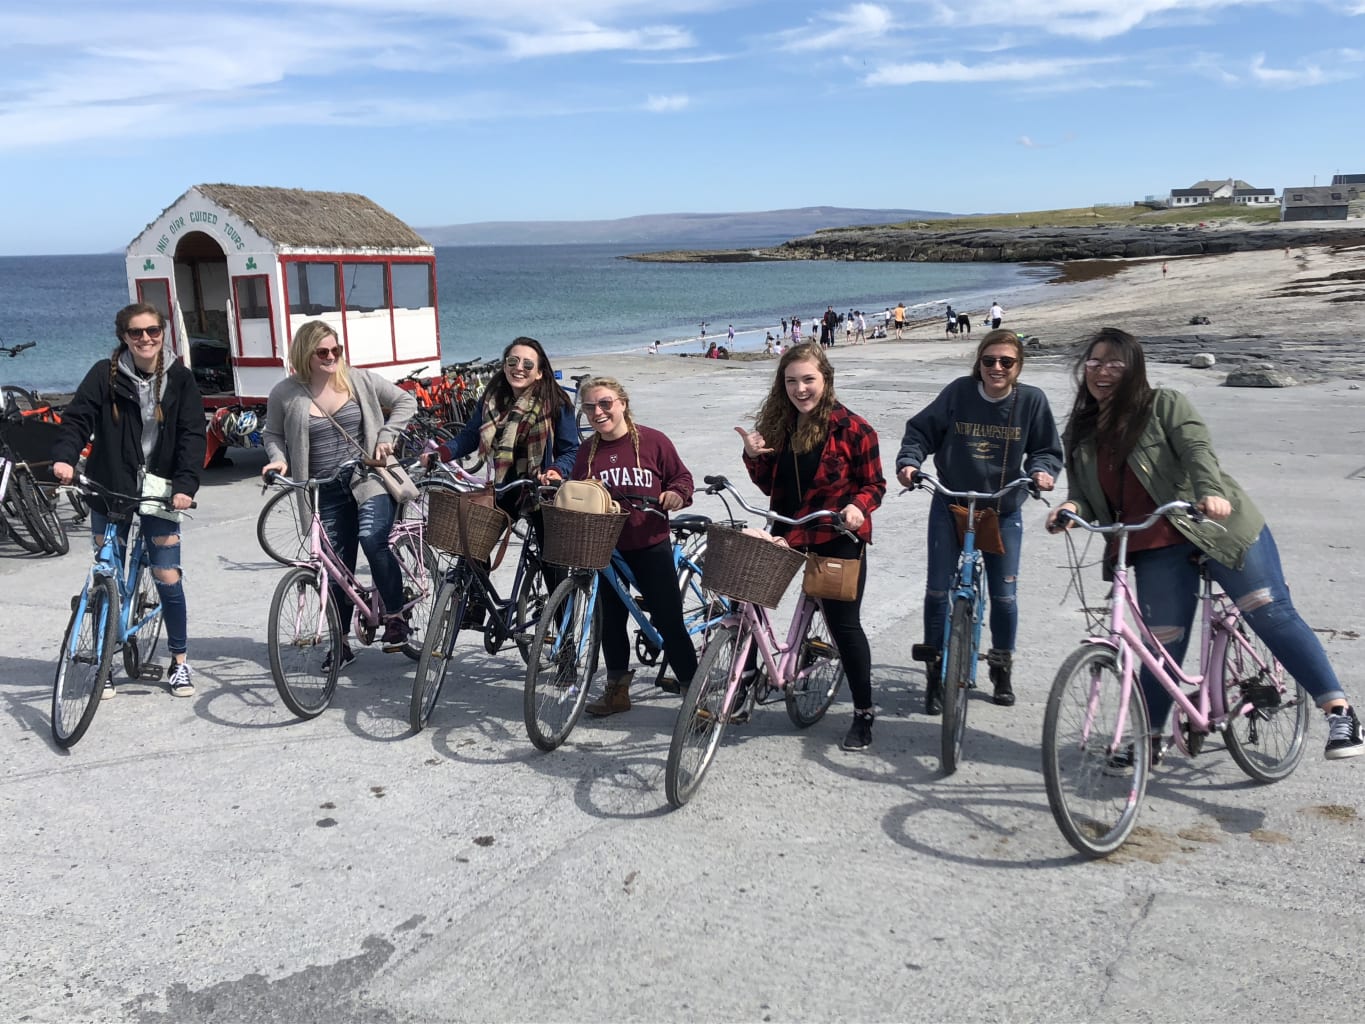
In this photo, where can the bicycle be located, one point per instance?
(1097, 748)
(804, 672)
(567, 640)
(958, 655)
(118, 609)
(466, 585)
(26, 512)
(304, 631)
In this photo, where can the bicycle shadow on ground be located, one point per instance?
(26, 689)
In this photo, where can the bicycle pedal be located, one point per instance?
(923, 652)
(151, 673)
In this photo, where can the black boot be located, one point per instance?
(1001, 662)
(933, 685)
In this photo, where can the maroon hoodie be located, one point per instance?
(657, 469)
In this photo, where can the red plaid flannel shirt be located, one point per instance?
(850, 473)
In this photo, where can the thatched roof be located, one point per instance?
(331, 220)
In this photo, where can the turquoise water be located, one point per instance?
(576, 299)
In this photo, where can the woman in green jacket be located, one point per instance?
(1131, 448)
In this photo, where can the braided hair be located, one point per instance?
(613, 385)
(121, 321)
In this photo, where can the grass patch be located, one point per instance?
(1092, 216)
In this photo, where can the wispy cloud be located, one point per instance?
(1293, 78)
(667, 104)
(1084, 19)
(594, 39)
(999, 71)
(852, 28)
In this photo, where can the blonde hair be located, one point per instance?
(777, 416)
(306, 341)
(614, 386)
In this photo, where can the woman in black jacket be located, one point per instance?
(146, 416)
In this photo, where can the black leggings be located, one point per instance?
(846, 626)
(657, 582)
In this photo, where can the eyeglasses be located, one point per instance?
(511, 363)
(1006, 362)
(328, 353)
(604, 404)
(136, 333)
(1112, 365)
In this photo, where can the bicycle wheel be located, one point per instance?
(139, 650)
(701, 719)
(418, 566)
(23, 399)
(305, 643)
(957, 678)
(584, 426)
(1095, 795)
(702, 608)
(282, 534)
(17, 524)
(1267, 709)
(811, 693)
(530, 599)
(559, 672)
(85, 662)
(38, 512)
(443, 629)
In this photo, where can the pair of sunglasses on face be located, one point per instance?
(1006, 362)
(323, 352)
(138, 333)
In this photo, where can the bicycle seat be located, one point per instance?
(690, 523)
(580, 378)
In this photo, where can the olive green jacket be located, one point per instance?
(1173, 460)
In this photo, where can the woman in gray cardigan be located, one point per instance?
(327, 414)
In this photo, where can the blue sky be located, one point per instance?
(447, 111)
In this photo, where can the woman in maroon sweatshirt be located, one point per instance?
(633, 461)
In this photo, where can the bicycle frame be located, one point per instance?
(780, 659)
(967, 578)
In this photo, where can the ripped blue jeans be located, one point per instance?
(1167, 584)
(1002, 576)
(162, 539)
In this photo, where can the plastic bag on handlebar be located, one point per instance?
(154, 486)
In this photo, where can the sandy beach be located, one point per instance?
(216, 860)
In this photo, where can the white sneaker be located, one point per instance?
(109, 692)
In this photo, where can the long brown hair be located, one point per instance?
(777, 417)
(614, 386)
(1120, 423)
(121, 320)
(552, 396)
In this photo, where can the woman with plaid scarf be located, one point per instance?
(808, 453)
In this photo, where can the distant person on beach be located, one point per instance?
(1163, 270)
(768, 344)
(964, 324)
(809, 453)
(983, 430)
(827, 324)
(630, 459)
(146, 416)
(784, 319)
(1132, 447)
(654, 349)
(996, 314)
(711, 352)
(796, 331)
(950, 323)
(860, 332)
(900, 319)
(324, 415)
(730, 335)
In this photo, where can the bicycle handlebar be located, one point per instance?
(929, 482)
(1188, 508)
(14, 350)
(715, 484)
(84, 485)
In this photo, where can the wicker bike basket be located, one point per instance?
(748, 568)
(580, 540)
(486, 525)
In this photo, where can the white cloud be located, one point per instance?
(1028, 143)
(956, 71)
(667, 104)
(593, 38)
(853, 27)
(1085, 19)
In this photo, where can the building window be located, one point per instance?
(312, 288)
(365, 291)
(252, 300)
(412, 286)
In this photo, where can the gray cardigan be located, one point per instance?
(384, 411)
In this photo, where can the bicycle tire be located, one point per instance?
(1267, 742)
(559, 673)
(17, 524)
(418, 568)
(280, 531)
(957, 678)
(443, 630)
(85, 662)
(531, 599)
(1094, 802)
(38, 513)
(701, 719)
(46, 511)
(305, 650)
(139, 650)
(810, 695)
(584, 425)
(24, 400)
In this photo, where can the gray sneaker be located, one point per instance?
(1344, 738)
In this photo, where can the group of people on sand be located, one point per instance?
(1128, 448)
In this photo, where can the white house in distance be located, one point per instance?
(237, 269)
(1232, 189)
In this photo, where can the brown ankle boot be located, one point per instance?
(615, 698)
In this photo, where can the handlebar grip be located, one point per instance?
(714, 481)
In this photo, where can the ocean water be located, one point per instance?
(577, 299)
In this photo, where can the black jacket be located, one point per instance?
(116, 456)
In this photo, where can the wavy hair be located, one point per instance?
(777, 417)
(1120, 422)
(306, 341)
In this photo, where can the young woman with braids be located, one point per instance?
(633, 460)
(808, 453)
(146, 416)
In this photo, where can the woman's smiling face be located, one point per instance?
(805, 385)
(1104, 371)
(521, 367)
(606, 412)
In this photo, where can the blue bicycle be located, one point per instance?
(118, 609)
(962, 627)
(567, 640)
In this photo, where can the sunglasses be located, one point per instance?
(328, 353)
(511, 363)
(1006, 362)
(604, 404)
(137, 333)
(1112, 365)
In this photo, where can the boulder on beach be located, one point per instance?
(1202, 360)
(1259, 377)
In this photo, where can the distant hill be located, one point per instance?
(672, 228)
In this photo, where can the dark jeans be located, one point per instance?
(845, 622)
(1002, 576)
(1167, 584)
(657, 582)
(174, 611)
(349, 527)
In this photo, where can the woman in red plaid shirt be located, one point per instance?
(808, 453)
